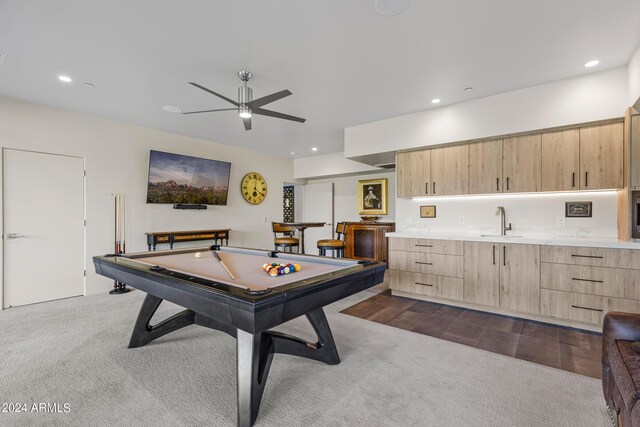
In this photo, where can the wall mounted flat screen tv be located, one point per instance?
(175, 178)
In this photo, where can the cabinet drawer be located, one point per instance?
(605, 281)
(417, 262)
(599, 257)
(449, 247)
(583, 307)
(427, 284)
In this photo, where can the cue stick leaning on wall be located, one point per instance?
(119, 240)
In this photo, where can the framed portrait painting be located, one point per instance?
(372, 197)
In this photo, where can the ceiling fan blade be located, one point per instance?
(210, 111)
(277, 115)
(213, 93)
(257, 103)
(247, 123)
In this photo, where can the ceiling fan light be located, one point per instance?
(245, 112)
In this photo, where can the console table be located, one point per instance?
(170, 237)
(366, 240)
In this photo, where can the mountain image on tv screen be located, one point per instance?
(174, 178)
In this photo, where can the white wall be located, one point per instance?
(117, 155)
(531, 215)
(582, 99)
(345, 195)
(634, 77)
(328, 164)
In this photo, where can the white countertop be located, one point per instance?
(592, 242)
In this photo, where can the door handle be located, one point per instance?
(14, 236)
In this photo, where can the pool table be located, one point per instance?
(245, 307)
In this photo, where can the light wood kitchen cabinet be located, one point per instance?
(414, 173)
(485, 167)
(520, 277)
(481, 273)
(561, 160)
(601, 157)
(635, 150)
(522, 164)
(449, 170)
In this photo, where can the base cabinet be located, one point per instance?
(367, 240)
(573, 286)
(502, 275)
(520, 278)
(481, 273)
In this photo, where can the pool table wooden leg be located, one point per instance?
(324, 350)
(143, 332)
(254, 353)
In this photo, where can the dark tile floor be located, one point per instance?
(564, 348)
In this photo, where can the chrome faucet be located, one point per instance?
(503, 221)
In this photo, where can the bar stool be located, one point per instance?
(335, 245)
(286, 239)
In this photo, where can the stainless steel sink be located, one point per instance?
(502, 237)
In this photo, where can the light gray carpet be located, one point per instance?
(75, 351)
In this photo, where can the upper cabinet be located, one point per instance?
(485, 167)
(601, 157)
(635, 150)
(449, 170)
(522, 164)
(561, 160)
(414, 173)
(581, 158)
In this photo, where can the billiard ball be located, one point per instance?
(198, 255)
(297, 267)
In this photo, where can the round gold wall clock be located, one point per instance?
(254, 188)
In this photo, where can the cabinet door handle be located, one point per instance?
(424, 263)
(433, 186)
(424, 246)
(573, 179)
(587, 256)
(423, 284)
(494, 254)
(507, 183)
(586, 179)
(586, 308)
(426, 188)
(587, 280)
(497, 184)
(504, 255)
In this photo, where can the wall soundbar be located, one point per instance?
(187, 206)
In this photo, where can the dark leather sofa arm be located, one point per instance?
(619, 326)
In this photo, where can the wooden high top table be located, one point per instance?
(301, 226)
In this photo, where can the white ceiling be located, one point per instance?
(345, 64)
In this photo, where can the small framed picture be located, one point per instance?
(578, 210)
(428, 211)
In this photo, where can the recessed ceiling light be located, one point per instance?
(314, 148)
(65, 79)
(390, 7)
(292, 153)
(592, 63)
(468, 89)
(172, 109)
(435, 101)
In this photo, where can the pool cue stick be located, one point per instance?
(124, 225)
(215, 254)
(118, 287)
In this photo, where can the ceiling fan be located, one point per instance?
(246, 105)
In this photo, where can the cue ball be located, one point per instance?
(198, 255)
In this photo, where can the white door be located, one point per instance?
(318, 207)
(43, 227)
